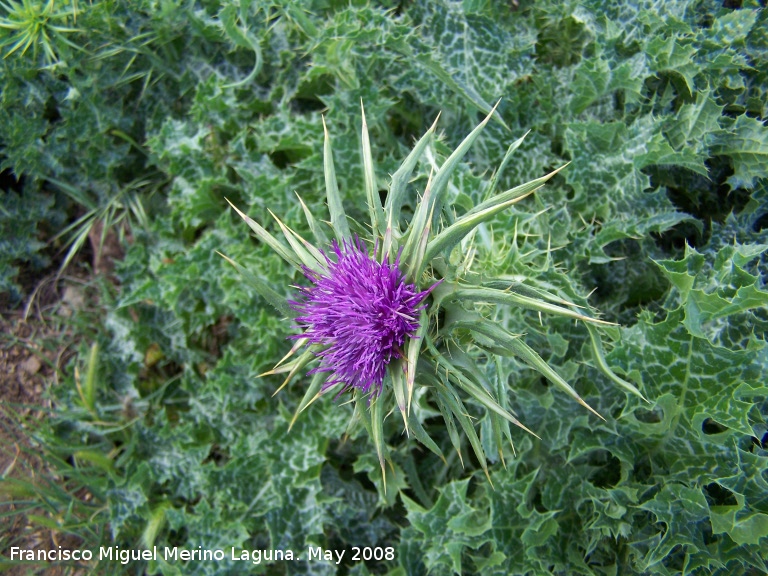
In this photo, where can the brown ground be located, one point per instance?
(35, 346)
(22, 383)
(36, 343)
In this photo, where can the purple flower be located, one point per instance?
(361, 311)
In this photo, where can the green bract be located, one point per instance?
(439, 366)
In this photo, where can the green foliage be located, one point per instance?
(20, 243)
(33, 24)
(166, 108)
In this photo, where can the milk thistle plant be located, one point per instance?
(384, 306)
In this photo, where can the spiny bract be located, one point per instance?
(371, 319)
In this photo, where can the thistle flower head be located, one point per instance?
(361, 311)
(365, 321)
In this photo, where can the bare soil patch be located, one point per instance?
(33, 348)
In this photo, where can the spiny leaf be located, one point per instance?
(397, 377)
(500, 170)
(313, 393)
(415, 263)
(448, 395)
(452, 235)
(521, 349)
(746, 143)
(530, 292)
(396, 194)
(416, 230)
(602, 365)
(241, 37)
(516, 193)
(747, 527)
(421, 435)
(320, 237)
(490, 295)
(297, 345)
(268, 239)
(335, 207)
(362, 412)
(414, 348)
(440, 184)
(691, 125)
(377, 429)
(277, 301)
(390, 245)
(433, 66)
(474, 389)
(298, 364)
(500, 425)
(371, 190)
(308, 254)
(434, 380)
